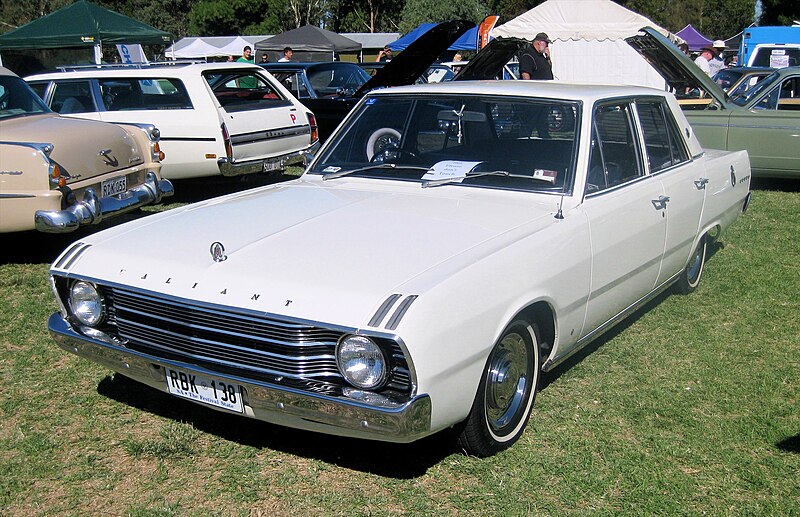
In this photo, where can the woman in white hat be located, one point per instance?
(717, 63)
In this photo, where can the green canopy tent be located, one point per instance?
(82, 24)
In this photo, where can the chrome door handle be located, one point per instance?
(660, 203)
(701, 183)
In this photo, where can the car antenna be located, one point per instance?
(559, 213)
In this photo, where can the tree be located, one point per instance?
(719, 19)
(779, 12)
(365, 15)
(229, 17)
(416, 12)
(16, 14)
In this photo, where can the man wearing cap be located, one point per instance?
(706, 55)
(534, 62)
(717, 63)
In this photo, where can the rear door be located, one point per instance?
(261, 117)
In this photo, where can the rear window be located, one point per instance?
(244, 90)
(144, 94)
(776, 57)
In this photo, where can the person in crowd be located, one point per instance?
(384, 55)
(534, 62)
(717, 63)
(230, 59)
(706, 55)
(684, 47)
(458, 57)
(264, 58)
(287, 55)
(247, 55)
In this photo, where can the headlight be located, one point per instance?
(361, 362)
(86, 303)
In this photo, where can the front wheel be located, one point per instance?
(506, 393)
(690, 277)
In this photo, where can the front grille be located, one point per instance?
(239, 343)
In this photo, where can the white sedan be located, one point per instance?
(448, 244)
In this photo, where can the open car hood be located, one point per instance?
(488, 63)
(674, 66)
(417, 57)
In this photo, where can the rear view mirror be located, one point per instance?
(465, 116)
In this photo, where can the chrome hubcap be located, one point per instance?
(508, 381)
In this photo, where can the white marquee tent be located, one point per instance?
(196, 49)
(588, 40)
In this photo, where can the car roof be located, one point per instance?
(177, 70)
(543, 89)
(292, 65)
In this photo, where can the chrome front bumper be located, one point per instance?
(262, 401)
(228, 167)
(93, 209)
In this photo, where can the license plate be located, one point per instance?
(114, 186)
(272, 166)
(206, 390)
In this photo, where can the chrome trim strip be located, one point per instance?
(342, 416)
(15, 196)
(383, 310)
(67, 262)
(187, 139)
(748, 126)
(272, 134)
(394, 321)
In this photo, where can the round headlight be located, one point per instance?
(86, 303)
(361, 362)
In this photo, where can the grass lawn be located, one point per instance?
(690, 406)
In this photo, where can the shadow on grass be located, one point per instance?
(399, 461)
(777, 184)
(790, 444)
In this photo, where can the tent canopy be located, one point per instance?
(309, 38)
(588, 41)
(693, 38)
(467, 41)
(197, 49)
(82, 24)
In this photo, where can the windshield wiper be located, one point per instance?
(345, 172)
(459, 179)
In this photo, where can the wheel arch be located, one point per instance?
(541, 314)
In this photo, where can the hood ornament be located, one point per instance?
(218, 252)
(107, 158)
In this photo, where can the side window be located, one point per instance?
(72, 97)
(786, 96)
(614, 155)
(663, 145)
(144, 94)
(39, 88)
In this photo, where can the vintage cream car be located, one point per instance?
(57, 173)
(446, 245)
(215, 118)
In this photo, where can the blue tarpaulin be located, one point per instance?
(467, 41)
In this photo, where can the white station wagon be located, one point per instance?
(448, 243)
(214, 118)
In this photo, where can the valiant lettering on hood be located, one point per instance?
(298, 245)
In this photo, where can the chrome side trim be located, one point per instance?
(67, 261)
(394, 321)
(273, 134)
(15, 196)
(342, 416)
(609, 324)
(92, 209)
(383, 310)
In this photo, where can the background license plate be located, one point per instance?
(272, 166)
(114, 186)
(207, 390)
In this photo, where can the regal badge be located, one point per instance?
(218, 252)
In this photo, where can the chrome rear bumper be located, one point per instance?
(228, 167)
(93, 209)
(262, 401)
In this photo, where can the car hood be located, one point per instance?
(299, 248)
(417, 57)
(674, 66)
(83, 148)
(488, 63)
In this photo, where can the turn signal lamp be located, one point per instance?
(312, 121)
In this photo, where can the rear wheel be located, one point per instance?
(690, 277)
(506, 393)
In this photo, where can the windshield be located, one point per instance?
(496, 142)
(757, 90)
(17, 98)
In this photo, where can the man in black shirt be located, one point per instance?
(534, 62)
